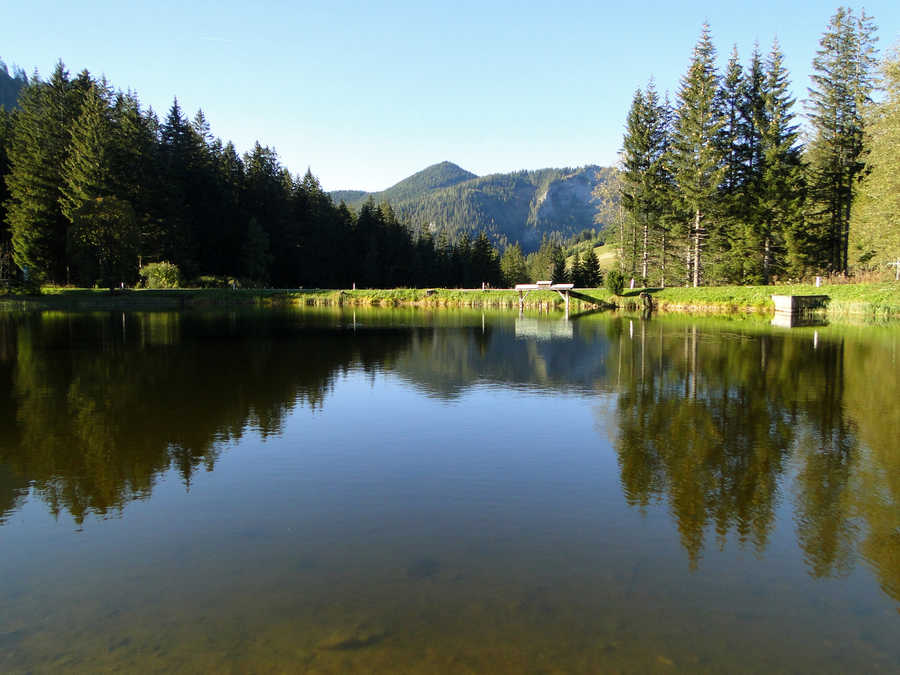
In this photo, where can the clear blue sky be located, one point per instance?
(366, 93)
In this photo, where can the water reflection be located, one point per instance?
(711, 420)
(94, 411)
(725, 423)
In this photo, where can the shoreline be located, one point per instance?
(880, 301)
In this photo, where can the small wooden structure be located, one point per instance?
(794, 304)
(562, 289)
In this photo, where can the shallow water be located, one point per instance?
(399, 491)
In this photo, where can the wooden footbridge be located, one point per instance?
(562, 289)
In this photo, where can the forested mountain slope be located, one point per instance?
(522, 206)
(10, 85)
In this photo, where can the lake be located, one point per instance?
(400, 491)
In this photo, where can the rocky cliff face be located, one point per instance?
(568, 200)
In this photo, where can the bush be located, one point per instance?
(615, 282)
(215, 281)
(161, 275)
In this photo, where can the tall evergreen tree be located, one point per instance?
(40, 143)
(558, 274)
(695, 157)
(576, 272)
(96, 251)
(6, 127)
(512, 266)
(134, 170)
(875, 220)
(635, 166)
(645, 179)
(177, 148)
(86, 169)
(592, 274)
(485, 262)
(843, 82)
(255, 257)
(103, 241)
(779, 222)
(6, 259)
(727, 240)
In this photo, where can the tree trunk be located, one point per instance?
(662, 281)
(696, 248)
(766, 258)
(687, 262)
(644, 254)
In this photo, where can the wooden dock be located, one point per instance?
(562, 289)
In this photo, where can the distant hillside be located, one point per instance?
(522, 206)
(11, 85)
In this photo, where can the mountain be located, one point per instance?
(521, 206)
(11, 85)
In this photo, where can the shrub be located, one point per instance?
(161, 275)
(215, 281)
(615, 282)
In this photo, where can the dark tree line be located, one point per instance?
(94, 185)
(717, 186)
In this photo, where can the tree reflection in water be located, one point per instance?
(719, 421)
(709, 421)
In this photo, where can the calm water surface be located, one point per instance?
(399, 491)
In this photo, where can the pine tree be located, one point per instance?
(485, 262)
(875, 219)
(592, 276)
(635, 166)
(88, 199)
(103, 241)
(644, 178)
(728, 239)
(367, 258)
(576, 273)
(134, 171)
(40, 142)
(86, 169)
(748, 219)
(6, 258)
(558, 275)
(230, 179)
(512, 266)
(255, 257)
(843, 82)
(176, 159)
(6, 126)
(781, 190)
(695, 157)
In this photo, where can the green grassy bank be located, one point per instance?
(876, 300)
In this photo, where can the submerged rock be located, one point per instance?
(360, 636)
(424, 568)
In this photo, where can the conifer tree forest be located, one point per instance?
(722, 185)
(94, 186)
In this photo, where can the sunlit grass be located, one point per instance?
(873, 299)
